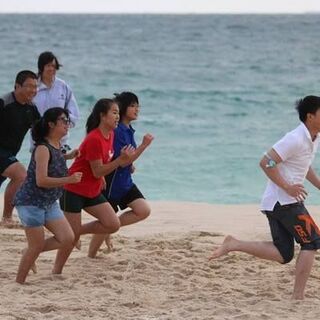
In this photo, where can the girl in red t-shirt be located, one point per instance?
(94, 162)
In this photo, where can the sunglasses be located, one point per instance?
(64, 120)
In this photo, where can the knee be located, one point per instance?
(68, 240)
(111, 225)
(145, 213)
(114, 226)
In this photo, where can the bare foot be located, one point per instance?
(297, 296)
(108, 241)
(224, 249)
(57, 276)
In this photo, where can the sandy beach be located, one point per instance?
(160, 270)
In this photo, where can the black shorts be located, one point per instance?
(292, 222)
(7, 158)
(72, 202)
(133, 194)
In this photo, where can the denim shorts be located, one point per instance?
(32, 216)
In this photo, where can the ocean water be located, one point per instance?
(216, 90)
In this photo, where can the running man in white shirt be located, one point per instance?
(287, 164)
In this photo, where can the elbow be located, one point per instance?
(41, 183)
(262, 164)
(97, 174)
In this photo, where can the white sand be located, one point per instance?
(160, 270)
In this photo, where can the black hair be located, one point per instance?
(41, 128)
(102, 106)
(309, 104)
(23, 75)
(45, 58)
(124, 100)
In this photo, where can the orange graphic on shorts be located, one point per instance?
(309, 223)
(303, 236)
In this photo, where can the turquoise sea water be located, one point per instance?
(215, 90)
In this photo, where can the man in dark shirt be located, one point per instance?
(17, 115)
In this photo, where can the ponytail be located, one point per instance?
(102, 106)
(40, 130)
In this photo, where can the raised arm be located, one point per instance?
(146, 141)
(100, 170)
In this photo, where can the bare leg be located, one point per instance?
(112, 223)
(63, 253)
(17, 174)
(107, 222)
(35, 238)
(140, 210)
(95, 244)
(260, 249)
(303, 268)
(63, 236)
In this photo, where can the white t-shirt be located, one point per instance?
(58, 95)
(297, 151)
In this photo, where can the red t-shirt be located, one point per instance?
(94, 147)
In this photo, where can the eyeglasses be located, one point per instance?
(65, 120)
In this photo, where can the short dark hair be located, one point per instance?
(309, 104)
(124, 100)
(45, 58)
(23, 75)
